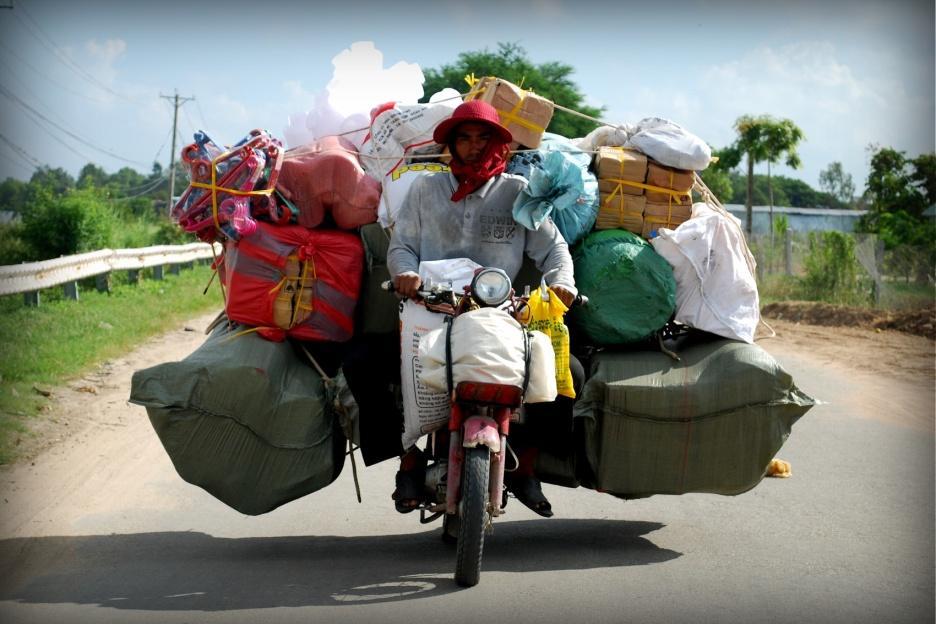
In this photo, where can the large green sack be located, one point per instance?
(708, 423)
(245, 419)
(379, 310)
(630, 287)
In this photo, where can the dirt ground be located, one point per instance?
(920, 322)
(865, 343)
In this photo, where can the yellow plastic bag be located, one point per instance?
(546, 315)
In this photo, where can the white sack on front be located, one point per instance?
(426, 409)
(488, 347)
(715, 288)
(670, 144)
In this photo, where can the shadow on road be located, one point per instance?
(195, 571)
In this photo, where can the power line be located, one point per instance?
(152, 186)
(17, 163)
(21, 152)
(12, 96)
(47, 42)
(47, 77)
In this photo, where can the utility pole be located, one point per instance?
(177, 102)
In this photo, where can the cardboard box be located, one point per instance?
(617, 163)
(678, 180)
(522, 112)
(617, 209)
(664, 215)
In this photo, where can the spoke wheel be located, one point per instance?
(474, 516)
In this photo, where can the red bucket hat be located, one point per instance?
(473, 111)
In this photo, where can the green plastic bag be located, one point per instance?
(244, 418)
(630, 287)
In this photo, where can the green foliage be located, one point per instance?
(833, 273)
(76, 222)
(786, 192)
(781, 223)
(834, 181)
(551, 80)
(761, 139)
(13, 249)
(898, 191)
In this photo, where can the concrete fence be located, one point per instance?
(30, 278)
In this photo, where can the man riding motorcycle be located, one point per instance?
(467, 213)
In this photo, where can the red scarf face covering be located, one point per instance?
(471, 177)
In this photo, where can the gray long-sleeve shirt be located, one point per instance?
(430, 226)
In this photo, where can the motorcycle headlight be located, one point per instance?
(490, 287)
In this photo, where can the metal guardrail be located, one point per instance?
(31, 277)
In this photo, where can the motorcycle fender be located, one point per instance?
(482, 430)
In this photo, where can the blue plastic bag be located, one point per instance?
(560, 186)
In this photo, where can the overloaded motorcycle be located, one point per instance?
(464, 482)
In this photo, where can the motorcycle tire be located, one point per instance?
(474, 516)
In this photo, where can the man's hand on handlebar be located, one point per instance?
(407, 284)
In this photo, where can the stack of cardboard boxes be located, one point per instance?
(524, 113)
(639, 194)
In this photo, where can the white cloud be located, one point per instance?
(107, 52)
(839, 109)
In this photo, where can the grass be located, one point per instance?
(895, 295)
(61, 339)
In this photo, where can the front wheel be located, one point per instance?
(474, 515)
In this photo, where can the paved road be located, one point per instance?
(101, 529)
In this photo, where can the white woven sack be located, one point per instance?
(396, 186)
(403, 131)
(488, 347)
(715, 289)
(426, 409)
(670, 144)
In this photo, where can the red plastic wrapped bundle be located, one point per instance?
(292, 281)
(327, 176)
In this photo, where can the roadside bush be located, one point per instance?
(13, 249)
(76, 222)
(833, 273)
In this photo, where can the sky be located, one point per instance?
(81, 81)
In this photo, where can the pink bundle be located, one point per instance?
(326, 176)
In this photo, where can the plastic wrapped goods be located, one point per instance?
(217, 200)
(245, 419)
(561, 187)
(326, 176)
(524, 113)
(630, 287)
(710, 422)
(715, 288)
(295, 282)
(670, 144)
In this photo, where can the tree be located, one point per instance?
(834, 181)
(551, 80)
(898, 191)
(718, 174)
(91, 176)
(57, 181)
(762, 139)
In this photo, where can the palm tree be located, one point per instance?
(764, 138)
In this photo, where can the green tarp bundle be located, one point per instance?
(708, 423)
(244, 418)
(631, 289)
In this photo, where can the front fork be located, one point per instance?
(470, 432)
